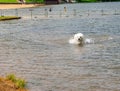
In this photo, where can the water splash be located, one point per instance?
(86, 41)
(89, 41)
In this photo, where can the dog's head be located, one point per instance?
(79, 37)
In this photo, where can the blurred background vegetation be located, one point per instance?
(43, 1)
(17, 1)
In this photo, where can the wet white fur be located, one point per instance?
(75, 39)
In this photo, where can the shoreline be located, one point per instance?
(10, 83)
(17, 6)
(3, 18)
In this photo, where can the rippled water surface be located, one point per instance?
(37, 49)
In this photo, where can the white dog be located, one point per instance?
(77, 39)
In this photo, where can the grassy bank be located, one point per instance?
(8, 1)
(12, 83)
(3, 18)
(16, 1)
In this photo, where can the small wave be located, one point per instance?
(89, 41)
(86, 41)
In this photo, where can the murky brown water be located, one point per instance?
(38, 49)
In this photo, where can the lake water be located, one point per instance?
(36, 47)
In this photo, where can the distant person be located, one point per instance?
(65, 9)
(21, 1)
(46, 13)
(74, 12)
(24, 1)
(50, 10)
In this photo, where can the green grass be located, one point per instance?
(34, 1)
(8, 1)
(11, 77)
(2, 18)
(88, 0)
(27, 1)
(20, 83)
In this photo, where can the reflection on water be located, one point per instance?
(38, 50)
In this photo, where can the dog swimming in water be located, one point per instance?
(77, 39)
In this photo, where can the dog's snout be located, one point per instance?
(80, 39)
